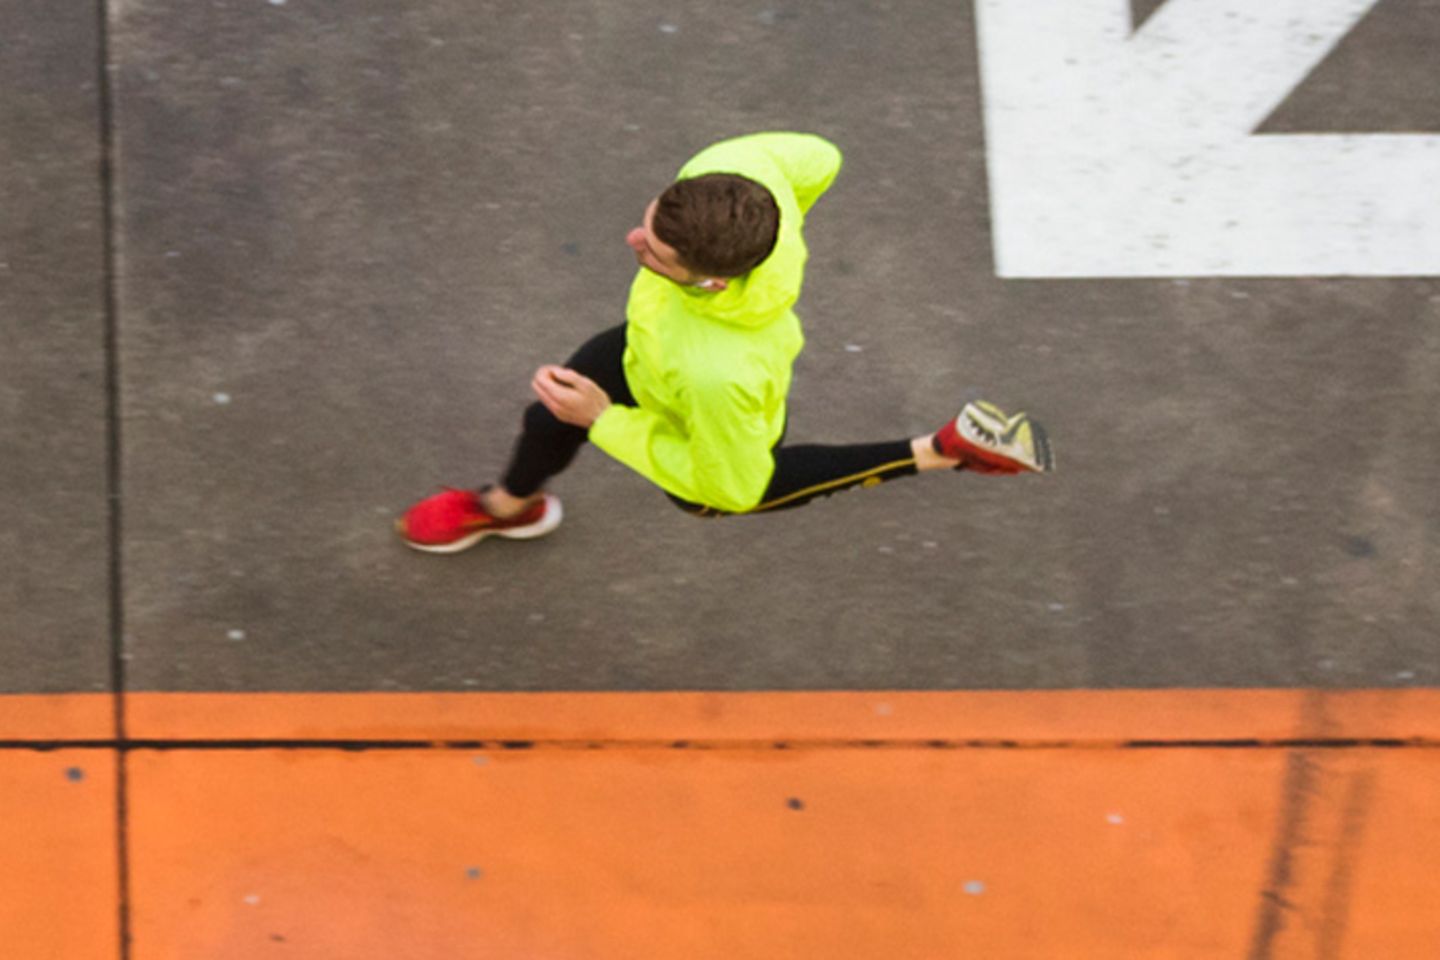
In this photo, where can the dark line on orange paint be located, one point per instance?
(113, 462)
(596, 744)
(1300, 774)
(1335, 915)
(1306, 743)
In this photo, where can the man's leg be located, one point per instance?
(455, 520)
(805, 472)
(981, 438)
(546, 445)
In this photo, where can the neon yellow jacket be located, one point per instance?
(710, 371)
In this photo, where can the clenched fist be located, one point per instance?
(572, 397)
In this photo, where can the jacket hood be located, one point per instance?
(757, 299)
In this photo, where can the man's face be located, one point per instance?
(655, 254)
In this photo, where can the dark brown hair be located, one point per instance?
(721, 224)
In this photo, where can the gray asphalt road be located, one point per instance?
(346, 233)
(54, 516)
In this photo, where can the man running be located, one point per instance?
(690, 391)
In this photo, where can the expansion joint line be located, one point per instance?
(113, 448)
(160, 745)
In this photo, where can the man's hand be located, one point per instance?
(573, 398)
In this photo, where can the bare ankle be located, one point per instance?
(926, 457)
(502, 504)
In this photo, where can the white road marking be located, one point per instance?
(1115, 153)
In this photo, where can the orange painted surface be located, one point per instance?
(59, 883)
(1359, 846)
(912, 825)
(1032, 716)
(1393, 876)
(779, 854)
(69, 716)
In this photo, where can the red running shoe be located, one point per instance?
(985, 440)
(456, 520)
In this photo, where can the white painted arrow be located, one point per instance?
(1115, 153)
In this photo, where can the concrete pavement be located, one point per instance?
(345, 240)
(340, 239)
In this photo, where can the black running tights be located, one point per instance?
(802, 472)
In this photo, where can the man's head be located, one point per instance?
(707, 229)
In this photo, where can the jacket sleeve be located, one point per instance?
(720, 458)
(809, 163)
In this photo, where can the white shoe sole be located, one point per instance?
(548, 521)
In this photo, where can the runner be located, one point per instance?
(690, 391)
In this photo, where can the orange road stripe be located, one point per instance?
(914, 854)
(846, 855)
(1070, 847)
(60, 716)
(1326, 805)
(1099, 716)
(1380, 883)
(59, 885)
